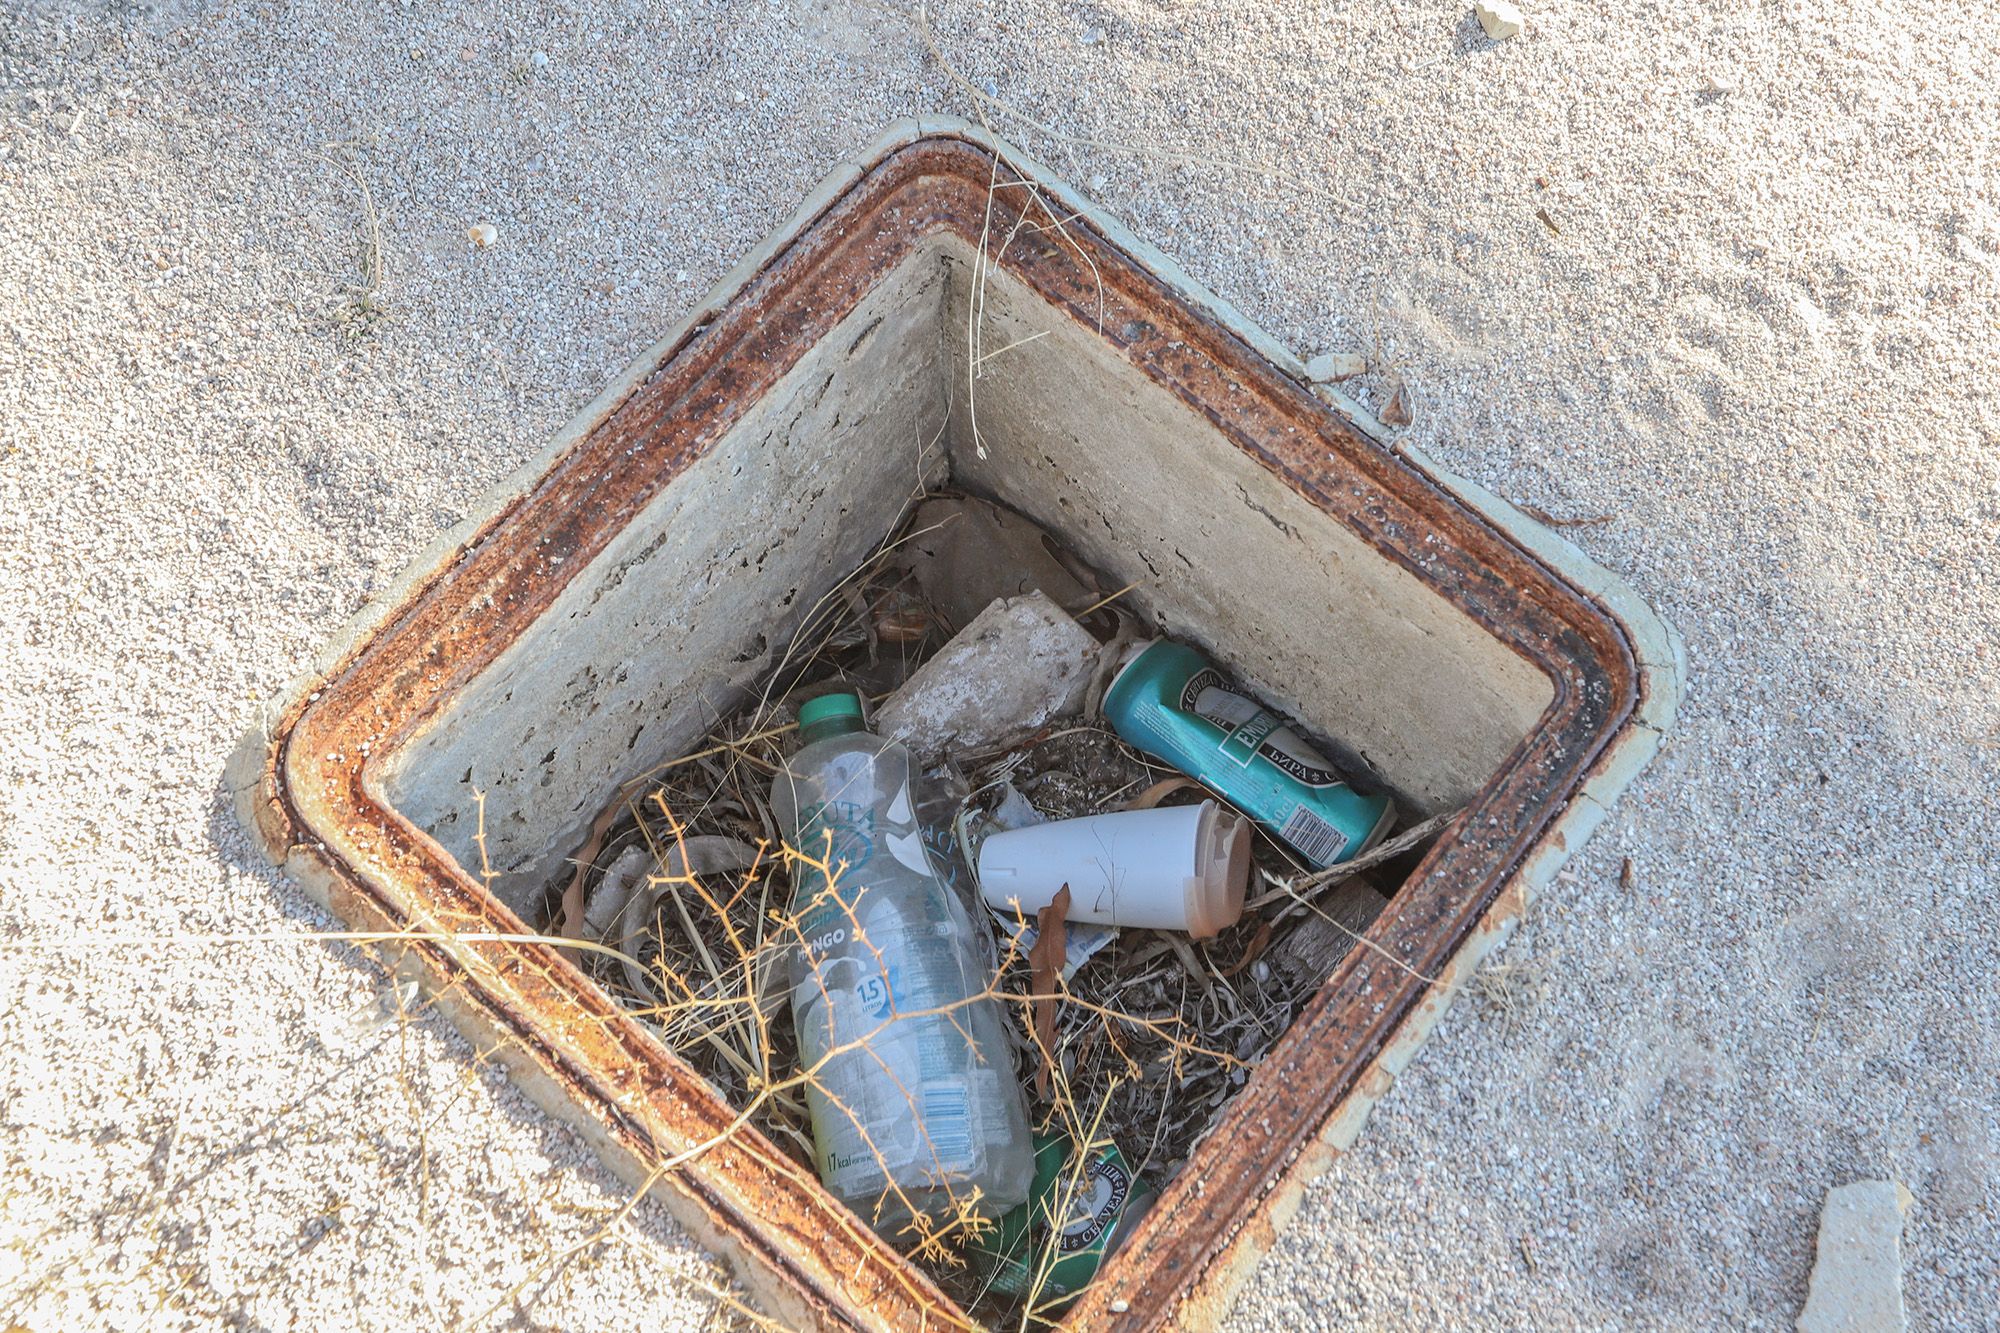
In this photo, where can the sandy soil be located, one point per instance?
(1726, 278)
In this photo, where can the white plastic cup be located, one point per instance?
(1182, 868)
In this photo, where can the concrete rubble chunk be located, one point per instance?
(1857, 1280)
(1330, 366)
(1019, 665)
(1500, 19)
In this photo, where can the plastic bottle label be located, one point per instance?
(902, 1082)
(842, 834)
(862, 1087)
(876, 997)
(948, 1119)
(899, 1068)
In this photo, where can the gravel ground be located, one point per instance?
(1726, 278)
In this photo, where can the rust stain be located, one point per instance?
(317, 794)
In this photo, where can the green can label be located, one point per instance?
(1100, 1198)
(1248, 730)
(1076, 1215)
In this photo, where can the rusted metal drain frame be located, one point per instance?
(318, 805)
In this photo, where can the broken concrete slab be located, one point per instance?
(1019, 665)
(1857, 1281)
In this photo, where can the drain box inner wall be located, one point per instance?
(1221, 552)
(693, 601)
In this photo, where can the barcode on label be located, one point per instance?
(948, 1122)
(1318, 841)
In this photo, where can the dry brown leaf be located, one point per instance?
(1045, 965)
(569, 921)
(902, 627)
(901, 618)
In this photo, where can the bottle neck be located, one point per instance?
(822, 728)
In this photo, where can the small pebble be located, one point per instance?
(1092, 37)
(539, 59)
(483, 234)
(1500, 18)
(1396, 412)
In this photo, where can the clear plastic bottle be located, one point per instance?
(910, 1117)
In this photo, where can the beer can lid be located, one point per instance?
(1127, 657)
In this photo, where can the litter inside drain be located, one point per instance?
(1122, 972)
(934, 318)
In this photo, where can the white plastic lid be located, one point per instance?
(1221, 871)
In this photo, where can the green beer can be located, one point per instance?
(1169, 701)
(1079, 1211)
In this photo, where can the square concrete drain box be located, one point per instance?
(615, 598)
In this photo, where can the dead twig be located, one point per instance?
(1308, 885)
